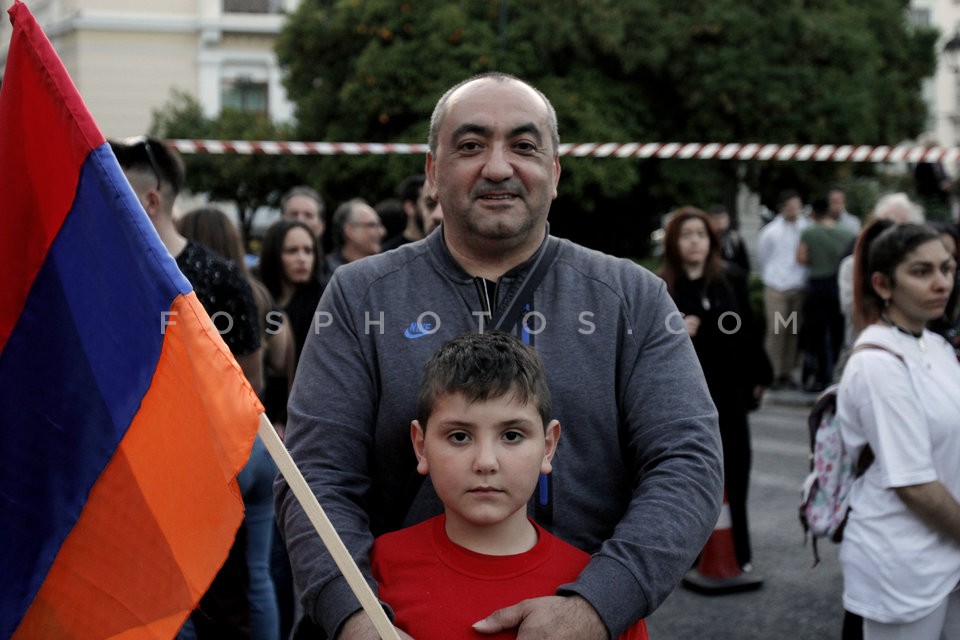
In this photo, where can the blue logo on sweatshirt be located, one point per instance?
(418, 330)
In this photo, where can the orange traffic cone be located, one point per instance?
(718, 571)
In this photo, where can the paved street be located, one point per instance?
(796, 601)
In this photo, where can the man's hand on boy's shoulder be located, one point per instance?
(547, 618)
(359, 626)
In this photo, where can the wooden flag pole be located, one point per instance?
(327, 533)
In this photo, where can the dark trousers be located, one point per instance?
(737, 459)
(224, 610)
(823, 329)
(852, 626)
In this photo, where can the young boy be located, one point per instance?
(484, 435)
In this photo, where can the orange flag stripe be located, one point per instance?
(141, 553)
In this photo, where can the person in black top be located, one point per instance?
(732, 247)
(712, 296)
(289, 264)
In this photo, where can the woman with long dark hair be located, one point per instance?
(290, 268)
(901, 398)
(713, 298)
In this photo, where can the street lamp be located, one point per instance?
(951, 52)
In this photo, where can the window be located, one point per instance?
(252, 6)
(919, 17)
(244, 94)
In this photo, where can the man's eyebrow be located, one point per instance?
(467, 128)
(527, 129)
(471, 128)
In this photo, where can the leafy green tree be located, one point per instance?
(250, 181)
(793, 71)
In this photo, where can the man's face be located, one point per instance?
(495, 172)
(791, 209)
(364, 231)
(720, 222)
(306, 210)
(428, 211)
(837, 201)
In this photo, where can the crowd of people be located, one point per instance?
(420, 381)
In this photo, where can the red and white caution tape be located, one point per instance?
(663, 150)
(283, 147)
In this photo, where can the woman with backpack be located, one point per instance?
(712, 296)
(900, 553)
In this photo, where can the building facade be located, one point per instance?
(942, 91)
(128, 56)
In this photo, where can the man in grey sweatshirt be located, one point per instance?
(637, 480)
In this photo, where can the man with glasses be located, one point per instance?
(157, 175)
(359, 232)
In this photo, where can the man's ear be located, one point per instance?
(429, 171)
(556, 175)
(153, 203)
(417, 437)
(551, 439)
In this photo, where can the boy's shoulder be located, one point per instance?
(400, 538)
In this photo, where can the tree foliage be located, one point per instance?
(250, 181)
(794, 71)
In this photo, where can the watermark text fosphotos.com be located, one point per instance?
(429, 322)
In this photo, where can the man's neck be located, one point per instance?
(351, 253)
(171, 238)
(412, 231)
(490, 259)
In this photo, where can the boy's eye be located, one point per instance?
(513, 436)
(458, 437)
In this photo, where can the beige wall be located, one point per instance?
(124, 76)
(127, 56)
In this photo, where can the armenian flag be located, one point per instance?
(124, 417)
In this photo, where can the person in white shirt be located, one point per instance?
(784, 280)
(900, 554)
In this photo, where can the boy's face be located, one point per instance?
(484, 458)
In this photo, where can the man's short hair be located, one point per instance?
(717, 209)
(302, 190)
(411, 187)
(342, 216)
(785, 195)
(440, 110)
(484, 366)
(151, 156)
(820, 207)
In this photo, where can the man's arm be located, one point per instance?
(764, 242)
(547, 618)
(329, 435)
(678, 488)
